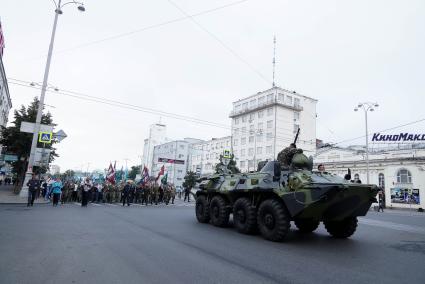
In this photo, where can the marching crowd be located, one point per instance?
(88, 191)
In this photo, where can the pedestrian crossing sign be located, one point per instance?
(226, 154)
(45, 137)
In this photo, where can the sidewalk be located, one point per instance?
(8, 197)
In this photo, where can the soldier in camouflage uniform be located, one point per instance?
(154, 193)
(285, 156)
(173, 193)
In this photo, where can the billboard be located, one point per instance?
(405, 195)
(171, 161)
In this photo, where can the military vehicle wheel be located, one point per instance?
(244, 216)
(342, 229)
(273, 220)
(202, 209)
(219, 212)
(306, 225)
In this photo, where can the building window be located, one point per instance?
(244, 106)
(270, 98)
(242, 164)
(251, 139)
(281, 97)
(296, 116)
(289, 100)
(381, 180)
(251, 152)
(260, 137)
(260, 126)
(261, 101)
(244, 118)
(251, 128)
(250, 163)
(252, 103)
(259, 150)
(404, 176)
(243, 153)
(243, 141)
(270, 124)
(260, 114)
(236, 131)
(235, 142)
(237, 121)
(269, 136)
(251, 117)
(269, 111)
(296, 126)
(297, 103)
(268, 149)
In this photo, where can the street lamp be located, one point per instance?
(367, 106)
(58, 11)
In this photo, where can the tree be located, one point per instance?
(231, 166)
(67, 175)
(189, 180)
(133, 172)
(19, 143)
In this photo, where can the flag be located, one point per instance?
(145, 174)
(1, 41)
(111, 174)
(164, 179)
(161, 172)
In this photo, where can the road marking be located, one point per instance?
(95, 204)
(393, 226)
(111, 204)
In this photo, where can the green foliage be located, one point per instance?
(19, 143)
(231, 166)
(133, 172)
(189, 180)
(67, 175)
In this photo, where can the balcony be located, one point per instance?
(260, 106)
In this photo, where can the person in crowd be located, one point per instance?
(74, 187)
(87, 185)
(381, 200)
(321, 168)
(126, 193)
(186, 194)
(56, 191)
(33, 185)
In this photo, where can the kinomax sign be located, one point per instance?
(398, 137)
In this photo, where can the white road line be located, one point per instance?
(393, 226)
(95, 204)
(111, 204)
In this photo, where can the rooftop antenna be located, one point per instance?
(274, 58)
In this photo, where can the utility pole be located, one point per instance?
(58, 11)
(367, 106)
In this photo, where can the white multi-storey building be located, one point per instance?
(265, 123)
(5, 102)
(174, 156)
(157, 136)
(399, 171)
(205, 155)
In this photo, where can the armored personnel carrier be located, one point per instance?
(268, 200)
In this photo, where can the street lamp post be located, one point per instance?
(367, 106)
(58, 11)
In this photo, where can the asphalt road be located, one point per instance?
(158, 244)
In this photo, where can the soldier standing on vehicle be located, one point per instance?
(285, 156)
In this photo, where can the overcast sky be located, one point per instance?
(339, 52)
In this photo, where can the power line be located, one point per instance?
(153, 26)
(122, 105)
(234, 53)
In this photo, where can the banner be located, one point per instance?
(405, 195)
